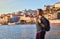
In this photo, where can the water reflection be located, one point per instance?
(27, 32)
(54, 33)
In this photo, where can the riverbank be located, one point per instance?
(51, 22)
(54, 21)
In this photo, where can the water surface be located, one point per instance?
(27, 31)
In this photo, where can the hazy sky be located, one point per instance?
(18, 5)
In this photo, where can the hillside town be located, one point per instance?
(51, 12)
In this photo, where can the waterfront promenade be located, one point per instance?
(55, 21)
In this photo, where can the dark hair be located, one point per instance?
(40, 11)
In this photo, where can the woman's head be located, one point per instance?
(39, 12)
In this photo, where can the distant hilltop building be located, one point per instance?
(57, 5)
(47, 6)
(52, 11)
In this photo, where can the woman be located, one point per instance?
(39, 25)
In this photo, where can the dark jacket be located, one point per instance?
(38, 26)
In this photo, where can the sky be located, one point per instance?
(7, 6)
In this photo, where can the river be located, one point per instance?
(28, 31)
(54, 32)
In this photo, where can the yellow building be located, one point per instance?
(57, 4)
(28, 19)
(52, 11)
(5, 19)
